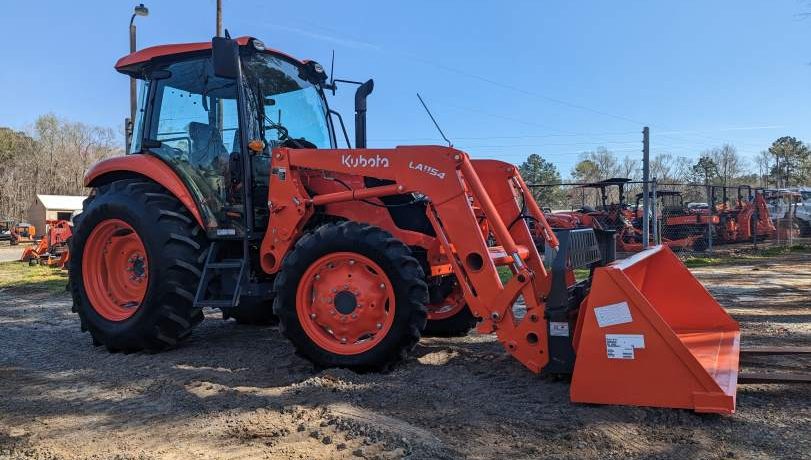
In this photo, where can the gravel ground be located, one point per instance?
(240, 392)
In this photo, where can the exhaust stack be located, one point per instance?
(361, 94)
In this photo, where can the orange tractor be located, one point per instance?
(236, 197)
(53, 249)
(679, 227)
(22, 233)
(744, 219)
(625, 221)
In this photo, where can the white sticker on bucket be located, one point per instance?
(625, 340)
(610, 315)
(621, 346)
(620, 352)
(559, 329)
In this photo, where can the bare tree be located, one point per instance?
(51, 159)
(763, 163)
(730, 164)
(629, 168)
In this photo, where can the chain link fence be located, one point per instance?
(691, 219)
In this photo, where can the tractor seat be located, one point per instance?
(206, 146)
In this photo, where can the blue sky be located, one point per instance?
(504, 79)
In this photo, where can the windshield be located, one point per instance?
(288, 100)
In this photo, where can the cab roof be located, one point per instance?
(133, 64)
(607, 182)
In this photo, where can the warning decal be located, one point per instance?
(610, 315)
(622, 346)
(559, 329)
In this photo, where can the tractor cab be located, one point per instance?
(670, 202)
(217, 132)
(611, 209)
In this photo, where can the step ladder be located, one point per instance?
(231, 275)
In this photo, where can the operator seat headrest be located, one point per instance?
(206, 144)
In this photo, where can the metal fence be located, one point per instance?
(689, 218)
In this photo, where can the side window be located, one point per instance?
(138, 126)
(194, 117)
(196, 127)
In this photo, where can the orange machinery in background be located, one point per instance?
(53, 249)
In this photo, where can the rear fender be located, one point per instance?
(149, 167)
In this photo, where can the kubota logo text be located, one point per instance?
(362, 161)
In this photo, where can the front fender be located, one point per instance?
(149, 167)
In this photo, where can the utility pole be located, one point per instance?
(129, 124)
(645, 186)
(219, 34)
(219, 18)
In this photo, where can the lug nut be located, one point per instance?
(312, 315)
(379, 325)
(354, 316)
(382, 286)
(351, 262)
(343, 339)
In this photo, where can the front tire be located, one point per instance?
(137, 256)
(350, 295)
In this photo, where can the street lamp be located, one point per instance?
(139, 10)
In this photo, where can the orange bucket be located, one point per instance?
(651, 335)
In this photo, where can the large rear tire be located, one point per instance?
(448, 314)
(136, 259)
(350, 295)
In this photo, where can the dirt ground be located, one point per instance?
(240, 392)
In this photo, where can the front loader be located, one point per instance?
(236, 196)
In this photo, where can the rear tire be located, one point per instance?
(350, 295)
(162, 253)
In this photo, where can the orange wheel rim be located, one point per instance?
(345, 303)
(448, 307)
(115, 270)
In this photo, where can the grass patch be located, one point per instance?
(505, 274)
(20, 277)
(721, 259)
(693, 262)
(581, 273)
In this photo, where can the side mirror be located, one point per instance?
(225, 57)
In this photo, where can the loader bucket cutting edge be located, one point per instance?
(651, 335)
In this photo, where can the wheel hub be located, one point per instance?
(345, 303)
(137, 267)
(448, 307)
(115, 269)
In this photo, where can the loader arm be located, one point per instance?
(452, 185)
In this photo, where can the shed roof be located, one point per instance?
(62, 202)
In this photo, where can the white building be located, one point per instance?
(52, 207)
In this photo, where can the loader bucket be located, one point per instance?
(651, 335)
